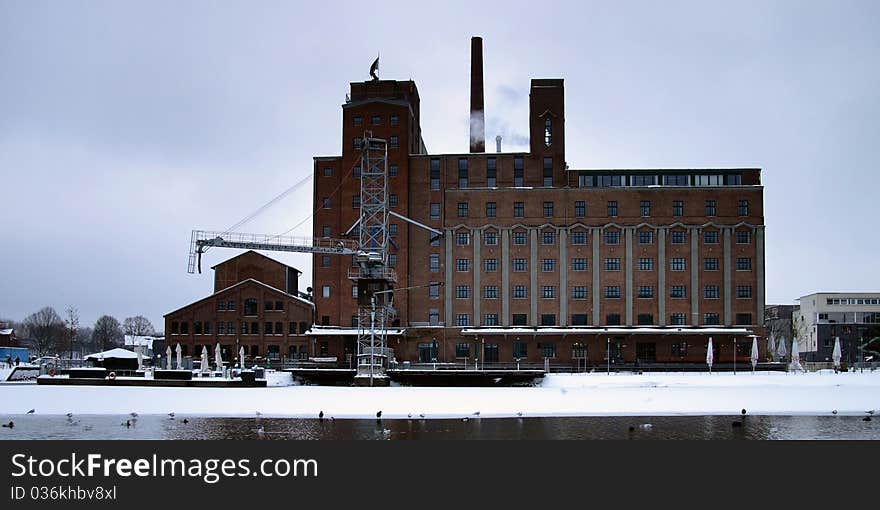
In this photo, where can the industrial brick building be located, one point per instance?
(540, 258)
(256, 304)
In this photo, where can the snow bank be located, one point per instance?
(558, 395)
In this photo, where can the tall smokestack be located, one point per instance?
(478, 118)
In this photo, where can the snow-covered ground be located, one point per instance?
(818, 393)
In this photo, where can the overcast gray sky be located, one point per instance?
(124, 125)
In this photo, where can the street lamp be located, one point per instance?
(734, 355)
(608, 354)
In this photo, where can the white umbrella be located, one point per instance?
(771, 345)
(795, 356)
(709, 355)
(140, 360)
(179, 360)
(754, 353)
(218, 359)
(780, 351)
(835, 354)
(168, 358)
(204, 363)
(241, 357)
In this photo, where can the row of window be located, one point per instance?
(852, 301)
(580, 291)
(251, 306)
(356, 171)
(612, 319)
(357, 142)
(375, 120)
(231, 328)
(490, 265)
(580, 209)
(608, 181)
(611, 237)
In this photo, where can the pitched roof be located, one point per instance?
(256, 253)
(249, 280)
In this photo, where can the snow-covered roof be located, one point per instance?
(116, 353)
(6, 331)
(603, 331)
(141, 340)
(335, 331)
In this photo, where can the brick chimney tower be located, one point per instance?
(478, 117)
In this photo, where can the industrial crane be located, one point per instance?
(374, 278)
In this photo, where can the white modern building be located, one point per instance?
(854, 317)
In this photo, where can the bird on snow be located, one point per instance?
(8, 425)
(743, 412)
(519, 413)
(477, 413)
(30, 412)
(834, 411)
(171, 415)
(871, 412)
(866, 418)
(69, 415)
(409, 415)
(379, 415)
(422, 416)
(127, 423)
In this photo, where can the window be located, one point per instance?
(519, 292)
(548, 172)
(328, 172)
(356, 143)
(221, 328)
(520, 349)
(490, 209)
(676, 237)
(435, 174)
(676, 180)
(677, 319)
(612, 237)
(358, 120)
(578, 238)
(250, 306)
(462, 291)
(548, 209)
(490, 238)
(490, 265)
(392, 200)
(463, 265)
(677, 208)
(463, 350)
(267, 328)
(434, 263)
(742, 207)
(548, 132)
(518, 209)
(708, 180)
(356, 171)
(612, 292)
(646, 237)
(490, 319)
(394, 120)
(612, 319)
(646, 264)
(518, 171)
(586, 181)
(612, 264)
(548, 237)
(326, 231)
(462, 209)
(646, 291)
(711, 319)
(355, 321)
(392, 229)
(710, 292)
(579, 292)
(580, 209)
(279, 328)
(463, 238)
(230, 305)
(520, 319)
(549, 319)
(744, 291)
(434, 290)
(548, 265)
(744, 319)
(279, 306)
(326, 203)
(230, 328)
(490, 292)
(743, 264)
(579, 264)
(643, 180)
(355, 201)
(221, 306)
(325, 291)
(710, 237)
(462, 172)
(645, 319)
(677, 264)
(519, 265)
(354, 291)
(197, 327)
(519, 238)
(645, 208)
(462, 319)
(392, 260)
(392, 170)
(710, 208)
(548, 292)
(491, 173)
(710, 264)
(580, 319)
(612, 208)
(184, 328)
(606, 181)
(394, 141)
(434, 316)
(435, 211)
(743, 237)
(734, 180)
(678, 291)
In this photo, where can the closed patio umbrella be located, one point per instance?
(205, 367)
(168, 358)
(241, 357)
(218, 359)
(709, 355)
(795, 357)
(754, 353)
(835, 354)
(179, 360)
(780, 351)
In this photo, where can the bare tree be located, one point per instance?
(107, 333)
(45, 330)
(139, 326)
(71, 324)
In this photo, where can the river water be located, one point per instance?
(654, 427)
